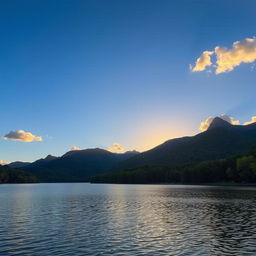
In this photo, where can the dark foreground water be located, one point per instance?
(84, 219)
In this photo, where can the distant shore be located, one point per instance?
(224, 184)
(228, 184)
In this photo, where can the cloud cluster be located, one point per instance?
(116, 148)
(74, 148)
(2, 162)
(253, 120)
(23, 136)
(205, 124)
(226, 60)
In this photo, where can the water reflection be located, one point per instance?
(85, 219)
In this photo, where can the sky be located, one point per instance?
(119, 74)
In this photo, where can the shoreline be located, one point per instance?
(222, 184)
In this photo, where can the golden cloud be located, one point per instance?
(74, 148)
(242, 52)
(23, 136)
(253, 120)
(116, 148)
(203, 61)
(205, 124)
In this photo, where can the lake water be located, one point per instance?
(90, 219)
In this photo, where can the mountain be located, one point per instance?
(37, 163)
(18, 164)
(41, 162)
(76, 165)
(221, 140)
(219, 123)
(237, 169)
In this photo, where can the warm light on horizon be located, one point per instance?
(152, 135)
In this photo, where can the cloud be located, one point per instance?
(203, 61)
(74, 148)
(23, 136)
(253, 120)
(205, 124)
(116, 148)
(2, 162)
(226, 60)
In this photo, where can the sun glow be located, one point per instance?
(152, 135)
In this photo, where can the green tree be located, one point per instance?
(246, 168)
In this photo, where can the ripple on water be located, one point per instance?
(86, 219)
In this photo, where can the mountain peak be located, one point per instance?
(131, 152)
(50, 157)
(218, 122)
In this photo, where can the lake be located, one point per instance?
(96, 219)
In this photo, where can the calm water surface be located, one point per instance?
(85, 219)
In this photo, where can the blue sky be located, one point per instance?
(91, 73)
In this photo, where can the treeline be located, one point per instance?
(9, 175)
(240, 169)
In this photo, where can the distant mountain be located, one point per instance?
(41, 162)
(221, 140)
(76, 165)
(237, 169)
(219, 123)
(18, 164)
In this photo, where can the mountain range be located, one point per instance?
(221, 140)
(73, 166)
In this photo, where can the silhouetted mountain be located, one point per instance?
(76, 165)
(130, 153)
(18, 164)
(236, 169)
(221, 140)
(37, 163)
(219, 123)
(41, 162)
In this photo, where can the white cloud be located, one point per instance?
(203, 61)
(74, 148)
(116, 148)
(253, 120)
(23, 136)
(205, 124)
(2, 162)
(242, 52)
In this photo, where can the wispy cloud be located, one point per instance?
(205, 124)
(227, 59)
(74, 148)
(23, 136)
(116, 148)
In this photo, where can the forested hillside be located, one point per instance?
(239, 169)
(9, 175)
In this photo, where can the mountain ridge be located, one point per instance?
(222, 139)
(76, 165)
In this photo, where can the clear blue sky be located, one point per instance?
(89, 73)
